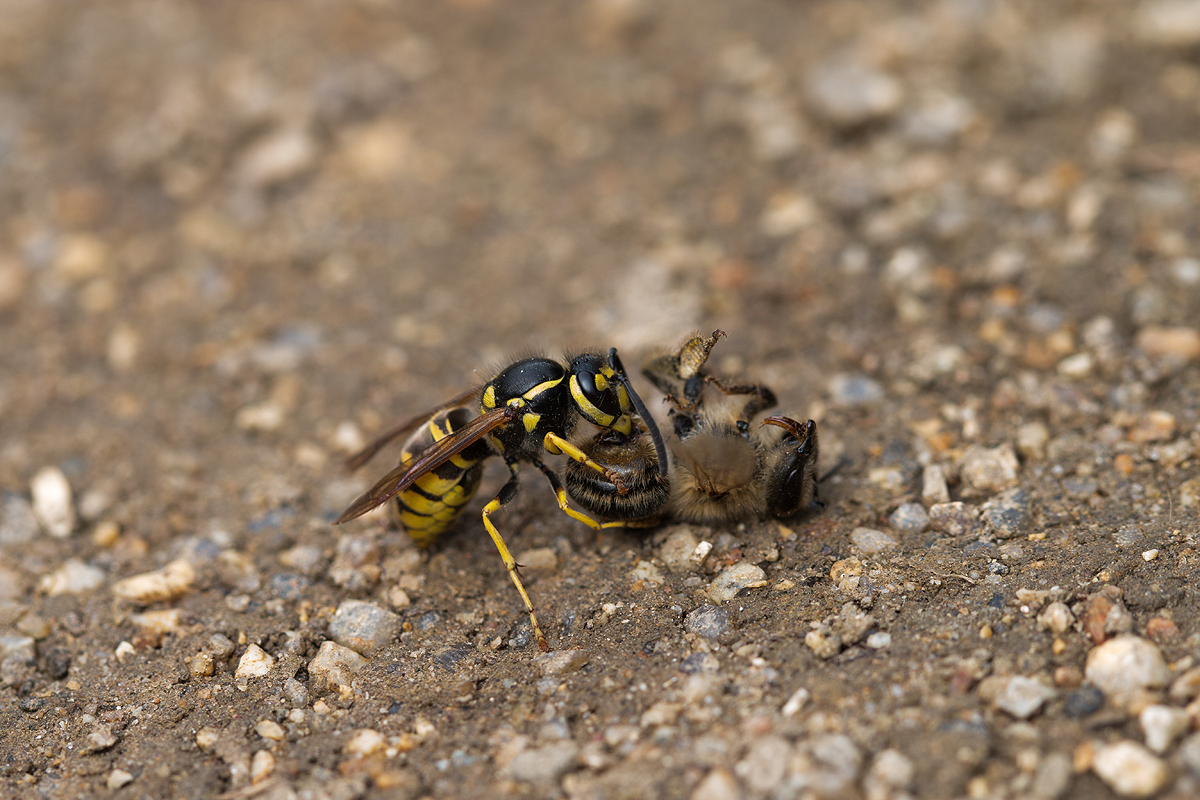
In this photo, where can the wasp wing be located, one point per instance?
(432, 457)
(367, 453)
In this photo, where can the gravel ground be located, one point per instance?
(238, 240)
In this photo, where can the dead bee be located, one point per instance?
(723, 470)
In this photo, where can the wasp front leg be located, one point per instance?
(556, 444)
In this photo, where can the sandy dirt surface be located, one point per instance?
(239, 239)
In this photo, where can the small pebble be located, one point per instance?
(1168, 23)
(52, 502)
(954, 519)
(676, 550)
(823, 642)
(711, 622)
(1162, 726)
(847, 92)
(261, 766)
(161, 620)
(544, 766)
(364, 627)
(220, 646)
(170, 582)
(1182, 343)
(796, 702)
(364, 741)
(733, 579)
(765, 764)
(117, 779)
(1031, 440)
(1189, 754)
(560, 662)
(1053, 777)
(1084, 701)
(1186, 686)
(1007, 513)
(277, 157)
(201, 665)
(718, 784)
(100, 739)
(1126, 664)
(933, 485)
(872, 542)
(540, 560)
(891, 772)
(879, 640)
(295, 692)
(1022, 697)
(1129, 769)
(124, 651)
(254, 663)
(854, 390)
(269, 729)
(1056, 618)
(646, 572)
(333, 668)
(18, 524)
(909, 518)
(989, 470)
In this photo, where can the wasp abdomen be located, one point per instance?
(436, 498)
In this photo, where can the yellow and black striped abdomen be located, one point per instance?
(429, 506)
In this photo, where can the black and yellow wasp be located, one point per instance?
(536, 406)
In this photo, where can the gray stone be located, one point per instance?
(560, 662)
(711, 622)
(848, 93)
(872, 542)
(910, 518)
(854, 390)
(1008, 513)
(364, 627)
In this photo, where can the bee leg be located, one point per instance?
(507, 493)
(557, 444)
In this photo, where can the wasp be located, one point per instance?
(723, 470)
(583, 408)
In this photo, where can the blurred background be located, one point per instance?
(237, 239)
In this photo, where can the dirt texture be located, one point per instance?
(240, 239)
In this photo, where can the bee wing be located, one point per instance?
(432, 457)
(367, 453)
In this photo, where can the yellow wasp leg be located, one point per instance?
(557, 444)
(507, 493)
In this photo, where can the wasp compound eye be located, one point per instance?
(599, 392)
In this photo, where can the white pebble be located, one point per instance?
(269, 729)
(254, 663)
(1022, 697)
(73, 577)
(735, 578)
(333, 668)
(261, 766)
(1056, 618)
(364, 742)
(1126, 664)
(797, 701)
(52, 502)
(118, 778)
(989, 470)
(1163, 725)
(1129, 769)
(168, 583)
